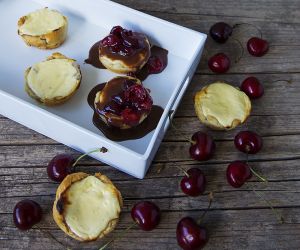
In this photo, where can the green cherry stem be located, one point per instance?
(121, 235)
(275, 212)
(263, 179)
(210, 197)
(101, 150)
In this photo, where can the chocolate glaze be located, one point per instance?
(142, 74)
(117, 134)
(93, 58)
(142, 53)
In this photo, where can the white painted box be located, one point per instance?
(71, 123)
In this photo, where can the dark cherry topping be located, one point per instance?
(125, 98)
(123, 42)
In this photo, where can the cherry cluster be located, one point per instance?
(220, 32)
(121, 41)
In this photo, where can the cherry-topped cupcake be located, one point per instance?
(123, 102)
(124, 51)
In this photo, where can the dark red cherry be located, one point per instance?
(203, 146)
(252, 87)
(257, 46)
(110, 40)
(60, 166)
(220, 32)
(238, 173)
(26, 214)
(219, 63)
(116, 30)
(190, 236)
(130, 117)
(146, 214)
(193, 184)
(155, 65)
(248, 142)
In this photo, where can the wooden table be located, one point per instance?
(238, 218)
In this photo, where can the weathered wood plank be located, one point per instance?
(275, 147)
(12, 133)
(276, 11)
(229, 229)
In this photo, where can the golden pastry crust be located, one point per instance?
(212, 121)
(59, 217)
(121, 67)
(49, 40)
(56, 100)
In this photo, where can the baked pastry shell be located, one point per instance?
(49, 40)
(211, 121)
(57, 100)
(65, 184)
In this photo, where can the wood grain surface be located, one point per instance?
(238, 218)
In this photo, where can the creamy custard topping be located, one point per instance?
(41, 22)
(91, 205)
(53, 78)
(225, 103)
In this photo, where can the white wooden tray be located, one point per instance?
(71, 123)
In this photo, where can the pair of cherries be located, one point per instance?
(220, 32)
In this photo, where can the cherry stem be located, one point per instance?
(287, 81)
(177, 130)
(263, 179)
(101, 150)
(242, 49)
(250, 24)
(210, 197)
(183, 170)
(275, 212)
(46, 232)
(121, 235)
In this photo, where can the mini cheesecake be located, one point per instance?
(53, 81)
(87, 207)
(44, 28)
(124, 51)
(221, 106)
(123, 102)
